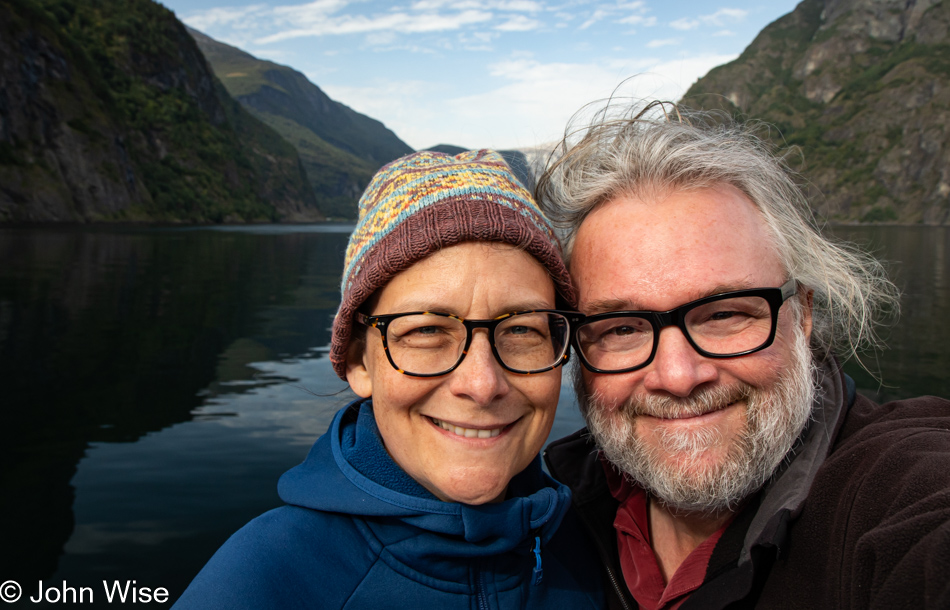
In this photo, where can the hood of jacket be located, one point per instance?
(349, 471)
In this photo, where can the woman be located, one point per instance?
(428, 491)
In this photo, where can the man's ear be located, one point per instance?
(357, 374)
(808, 303)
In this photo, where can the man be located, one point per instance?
(729, 462)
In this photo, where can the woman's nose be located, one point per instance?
(480, 377)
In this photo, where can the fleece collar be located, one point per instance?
(784, 497)
(336, 477)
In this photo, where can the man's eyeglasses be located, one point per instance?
(429, 344)
(719, 326)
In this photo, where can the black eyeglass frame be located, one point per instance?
(381, 323)
(659, 320)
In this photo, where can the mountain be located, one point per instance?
(108, 111)
(863, 88)
(340, 148)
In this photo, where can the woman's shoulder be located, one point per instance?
(272, 561)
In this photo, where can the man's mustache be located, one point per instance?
(700, 402)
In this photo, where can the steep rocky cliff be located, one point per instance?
(339, 147)
(108, 111)
(863, 87)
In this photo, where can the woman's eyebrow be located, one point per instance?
(421, 305)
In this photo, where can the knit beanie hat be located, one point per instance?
(427, 201)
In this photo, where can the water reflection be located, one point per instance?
(916, 358)
(157, 382)
(156, 510)
(109, 335)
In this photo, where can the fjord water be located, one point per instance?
(156, 382)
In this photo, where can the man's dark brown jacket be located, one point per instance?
(859, 517)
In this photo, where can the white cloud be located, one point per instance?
(519, 23)
(263, 24)
(685, 71)
(685, 23)
(481, 39)
(723, 15)
(402, 23)
(717, 19)
(225, 16)
(521, 6)
(380, 39)
(594, 18)
(665, 42)
(639, 20)
(724, 33)
(311, 13)
(525, 102)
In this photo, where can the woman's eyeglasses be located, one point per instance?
(429, 344)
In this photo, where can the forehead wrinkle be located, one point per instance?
(463, 280)
(437, 306)
(618, 304)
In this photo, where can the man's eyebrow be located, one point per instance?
(609, 305)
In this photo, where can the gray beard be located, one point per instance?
(775, 417)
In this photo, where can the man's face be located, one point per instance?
(699, 433)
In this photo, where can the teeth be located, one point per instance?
(467, 432)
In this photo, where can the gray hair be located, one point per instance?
(660, 147)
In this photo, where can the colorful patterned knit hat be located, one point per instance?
(426, 201)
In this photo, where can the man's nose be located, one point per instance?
(480, 377)
(678, 368)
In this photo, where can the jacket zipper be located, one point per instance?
(480, 595)
(538, 570)
(605, 560)
(604, 556)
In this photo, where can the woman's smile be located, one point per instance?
(471, 431)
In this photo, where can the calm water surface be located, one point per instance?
(156, 382)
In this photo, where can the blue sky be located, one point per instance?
(486, 73)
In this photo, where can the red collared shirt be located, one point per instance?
(637, 560)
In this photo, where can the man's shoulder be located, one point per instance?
(868, 422)
(899, 450)
(875, 530)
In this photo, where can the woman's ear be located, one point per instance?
(357, 373)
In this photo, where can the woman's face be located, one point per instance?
(473, 280)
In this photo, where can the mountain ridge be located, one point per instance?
(340, 148)
(861, 87)
(110, 113)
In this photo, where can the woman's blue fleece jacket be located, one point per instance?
(358, 532)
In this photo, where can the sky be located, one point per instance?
(487, 73)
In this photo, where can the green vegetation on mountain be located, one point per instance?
(861, 87)
(341, 149)
(109, 112)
